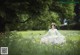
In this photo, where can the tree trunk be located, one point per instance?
(2, 24)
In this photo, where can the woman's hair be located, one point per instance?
(53, 24)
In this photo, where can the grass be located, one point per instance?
(28, 43)
(70, 34)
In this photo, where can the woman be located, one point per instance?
(53, 36)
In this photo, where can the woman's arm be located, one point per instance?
(48, 33)
(57, 32)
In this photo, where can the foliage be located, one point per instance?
(27, 14)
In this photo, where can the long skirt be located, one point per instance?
(53, 39)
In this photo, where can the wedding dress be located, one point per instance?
(53, 37)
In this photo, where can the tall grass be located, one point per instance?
(28, 43)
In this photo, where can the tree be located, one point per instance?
(17, 13)
(77, 11)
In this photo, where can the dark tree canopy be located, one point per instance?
(27, 14)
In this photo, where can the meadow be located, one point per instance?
(28, 43)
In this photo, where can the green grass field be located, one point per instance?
(28, 43)
(70, 34)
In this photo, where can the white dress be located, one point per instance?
(53, 37)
